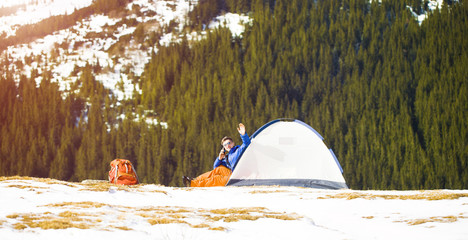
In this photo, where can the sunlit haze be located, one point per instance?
(36, 10)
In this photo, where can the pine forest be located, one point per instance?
(389, 95)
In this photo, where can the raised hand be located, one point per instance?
(241, 129)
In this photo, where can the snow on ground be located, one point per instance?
(83, 49)
(34, 13)
(432, 5)
(95, 50)
(50, 209)
(234, 22)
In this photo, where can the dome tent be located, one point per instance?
(288, 152)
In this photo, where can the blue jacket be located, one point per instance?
(233, 155)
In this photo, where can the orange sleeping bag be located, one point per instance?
(216, 178)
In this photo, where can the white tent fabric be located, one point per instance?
(290, 153)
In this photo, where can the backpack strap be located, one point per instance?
(116, 173)
(134, 171)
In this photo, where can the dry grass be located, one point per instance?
(76, 205)
(35, 189)
(13, 215)
(444, 219)
(424, 195)
(122, 228)
(19, 226)
(42, 180)
(106, 187)
(237, 211)
(164, 220)
(240, 217)
(164, 215)
(46, 221)
(107, 217)
(201, 225)
(217, 228)
(26, 187)
(169, 215)
(96, 186)
(284, 216)
(74, 216)
(247, 214)
(175, 212)
(58, 224)
(204, 225)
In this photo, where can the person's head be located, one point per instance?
(227, 143)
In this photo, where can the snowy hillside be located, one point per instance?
(103, 41)
(33, 11)
(51, 209)
(64, 51)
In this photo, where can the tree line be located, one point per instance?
(389, 96)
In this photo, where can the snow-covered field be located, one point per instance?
(50, 209)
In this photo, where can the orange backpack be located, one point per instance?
(122, 172)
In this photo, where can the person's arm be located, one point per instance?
(245, 138)
(245, 143)
(216, 163)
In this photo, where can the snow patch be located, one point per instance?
(235, 23)
(432, 6)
